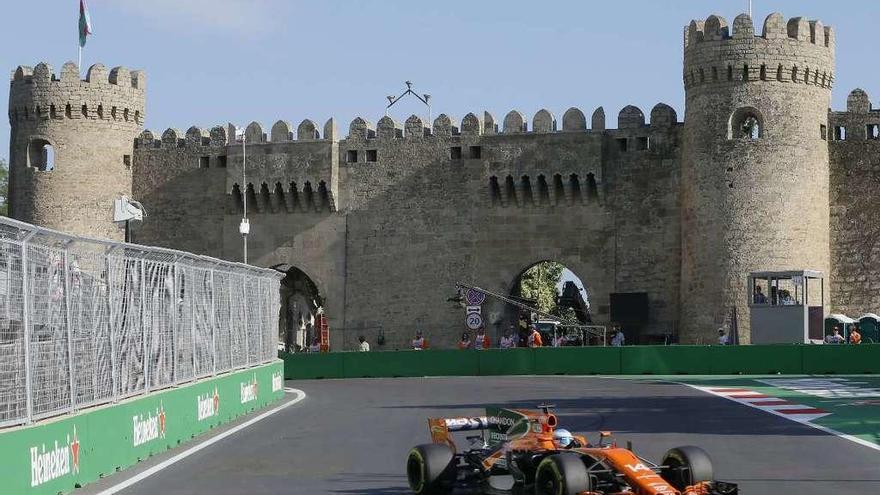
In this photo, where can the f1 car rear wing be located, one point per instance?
(501, 424)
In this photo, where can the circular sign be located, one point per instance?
(475, 297)
(474, 321)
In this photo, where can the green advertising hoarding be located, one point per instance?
(58, 455)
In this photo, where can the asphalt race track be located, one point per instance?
(352, 436)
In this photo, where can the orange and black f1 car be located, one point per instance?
(516, 453)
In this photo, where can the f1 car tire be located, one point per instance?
(562, 474)
(428, 466)
(686, 466)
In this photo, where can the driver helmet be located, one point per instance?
(563, 437)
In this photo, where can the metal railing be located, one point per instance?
(85, 321)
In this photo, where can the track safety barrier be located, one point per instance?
(57, 456)
(627, 360)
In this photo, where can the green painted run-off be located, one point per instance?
(60, 454)
(852, 403)
(630, 360)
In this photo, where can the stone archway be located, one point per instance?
(552, 287)
(300, 300)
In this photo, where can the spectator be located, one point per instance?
(481, 340)
(786, 299)
(508, 341)
(760, 298)
(619, 338)
(835, 338)
(465, 342)
(558, 339)
(364, 345)
(723, 339)
(535, 339)
(855, 337)
(316, 345)
(418, 343)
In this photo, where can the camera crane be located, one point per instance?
(593, 330)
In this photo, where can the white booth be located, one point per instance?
(787, 307)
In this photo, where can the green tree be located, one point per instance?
(4, 188)
(539, 284)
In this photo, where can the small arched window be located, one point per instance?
(41, 155)
(746, 123)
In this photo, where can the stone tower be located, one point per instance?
(72, 144)
(755, 166)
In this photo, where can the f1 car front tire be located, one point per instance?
(686, 466)
(428, 466)
(562, 474)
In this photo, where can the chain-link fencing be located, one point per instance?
(85, 322)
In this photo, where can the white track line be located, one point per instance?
(300, 395)
(827, 430)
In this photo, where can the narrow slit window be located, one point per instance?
(351, 156)
(476, 152)
(372, 156)
(455, 153)
(642, 143)
(126, 160)
(873, 131)
(823, 132)
(204, 162)
(840, 133)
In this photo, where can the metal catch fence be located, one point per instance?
(85, 322)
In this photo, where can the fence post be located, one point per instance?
(175, 323)
(69, 316)
(261, 321)
(192, 321)
(247, 344)
(26, 322)
(143, 321)
(230, 276)
(112, 324)
(213, 322)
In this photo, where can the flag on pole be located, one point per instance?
(85, 23)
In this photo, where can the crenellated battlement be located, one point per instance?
(116, 95)
(514, 123)
(360, 129)
(793, 51)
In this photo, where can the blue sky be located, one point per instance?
(215, 61)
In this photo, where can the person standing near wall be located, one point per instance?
(535, 339)
(481, 340)
(363, 345)
(465, 342)
(619, 339)
(508, 341)
(418, 342)
(855, 337)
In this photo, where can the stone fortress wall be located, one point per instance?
(386, 219)
(90, 126)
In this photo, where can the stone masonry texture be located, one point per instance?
(385, 219)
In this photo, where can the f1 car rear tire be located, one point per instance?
(686, 466)
(562, 474)
(428, 467)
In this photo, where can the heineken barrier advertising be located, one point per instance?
(70, 451)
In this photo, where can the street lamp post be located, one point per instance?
(245, 227)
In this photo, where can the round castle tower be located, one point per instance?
(755, 167)
(71, 145)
